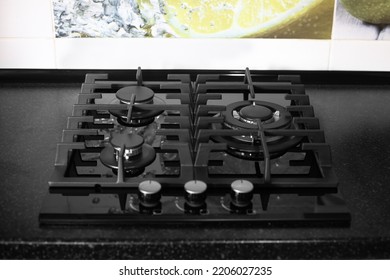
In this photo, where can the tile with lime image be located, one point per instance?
(256, 18)
(362, 20)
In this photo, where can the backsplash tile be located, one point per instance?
(304, 19)
(28, 40)
(348, 27)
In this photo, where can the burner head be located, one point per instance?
(142, 94)
(254, 112)
(132, 143)
(136, 157)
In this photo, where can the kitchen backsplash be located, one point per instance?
(297, 19)
(156, 34)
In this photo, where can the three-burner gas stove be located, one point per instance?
(231, 147)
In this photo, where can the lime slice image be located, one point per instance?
(249, 18)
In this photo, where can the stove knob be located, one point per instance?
(149, 193)
(241, 193)
(195, 193)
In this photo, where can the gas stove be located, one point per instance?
(235, 146)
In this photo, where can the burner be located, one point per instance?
(136, 157)
(244, 115)
(143, 95)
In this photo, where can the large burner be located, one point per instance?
(246, 115)
(140, 95)
(136, 156)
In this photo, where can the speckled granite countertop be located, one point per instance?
(356, 121)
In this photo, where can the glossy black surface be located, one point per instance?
(357, 127)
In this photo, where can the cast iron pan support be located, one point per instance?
(138, 76)
(121, 177)
(248, 79)
(130, 107)
(267, 169)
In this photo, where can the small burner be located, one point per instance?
(254, 112)
(142, 94)
(132, 143)
(136, 157)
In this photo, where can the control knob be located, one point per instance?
(149, 193)
(241, 193)
(195, 193)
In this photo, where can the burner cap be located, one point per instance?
(142, 94)
(255, 112)
(131, 141)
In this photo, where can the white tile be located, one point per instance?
(26, 18)
(360, 55)
(27, 53)
(96, 53)
(289, 54)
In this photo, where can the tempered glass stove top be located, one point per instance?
(194, 136)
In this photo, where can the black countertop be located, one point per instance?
(356, 121)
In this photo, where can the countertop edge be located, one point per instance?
(78, 75)
(355, 248)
